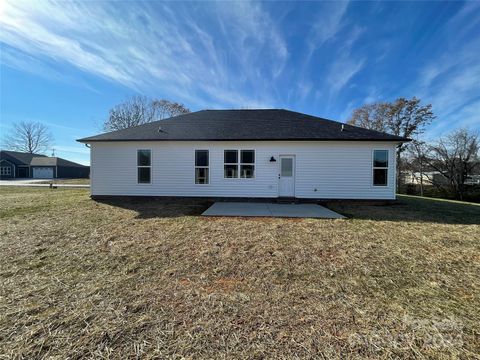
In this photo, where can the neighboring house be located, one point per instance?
(434, 177)
(244, 153)
(427, 177)
(473, 180)
(15, 164)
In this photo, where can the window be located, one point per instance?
(235, 165)
(230, 164)
(144, 166)
(286, 167)
(5, 170)
(247, 161)
(380, 167)
(201, 166)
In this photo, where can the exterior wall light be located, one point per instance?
(272, 159)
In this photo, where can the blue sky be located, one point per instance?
(66, 64)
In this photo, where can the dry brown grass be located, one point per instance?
(127, 279)
(67, 181)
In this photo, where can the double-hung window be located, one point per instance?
(201, 166)
(239, 164)
(247, 164)
(230, 167)
(380, 167)
(144, 166)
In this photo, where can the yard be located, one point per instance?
(80, 181)
(152, 279)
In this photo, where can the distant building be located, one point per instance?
(427, 177)
(434, 177)
(15, 164)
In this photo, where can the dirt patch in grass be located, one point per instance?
(82, 278)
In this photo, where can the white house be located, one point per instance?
(244, 153)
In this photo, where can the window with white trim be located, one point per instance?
(239, 164)
(144, 166)
(247, 164)
(202, 162)
(380, 167)
(6, 170)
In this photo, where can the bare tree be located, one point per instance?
(139, 110)
(403, 117)
(31, 137)
(455, 157)
(165, 109)
(371, 116)
(418, 162)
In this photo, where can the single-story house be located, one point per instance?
(15, 164)
(244, 154)
(427, 177)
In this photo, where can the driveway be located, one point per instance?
(271, 210)
(21, 181)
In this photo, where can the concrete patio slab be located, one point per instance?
(271, 210)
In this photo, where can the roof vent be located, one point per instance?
(160, 129)
(343, 127)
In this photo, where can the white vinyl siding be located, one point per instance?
(323, 170)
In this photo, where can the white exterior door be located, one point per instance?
(286, 178)
(43, 173)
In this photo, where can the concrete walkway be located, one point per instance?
(271, 210)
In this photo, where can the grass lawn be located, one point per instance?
(125, 279)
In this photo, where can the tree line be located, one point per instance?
(454, 156)
(36, 138)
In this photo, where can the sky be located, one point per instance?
(65, 64)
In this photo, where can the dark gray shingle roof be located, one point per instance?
(19, 158)
(215, 125)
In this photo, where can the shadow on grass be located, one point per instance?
(147, 207)
(413, 209)
(406, 208)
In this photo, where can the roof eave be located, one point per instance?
(88, 141)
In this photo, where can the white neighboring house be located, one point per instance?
(244, 154)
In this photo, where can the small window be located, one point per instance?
(380, 167)
(247, 161)
(286, 167)
(201, 167)
(5, 170)
(230, 168)
(144, 166)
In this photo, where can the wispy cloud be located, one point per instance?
(321, 57)
(451, 82)
(346, 64)
(147, 46)
(327, 25)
